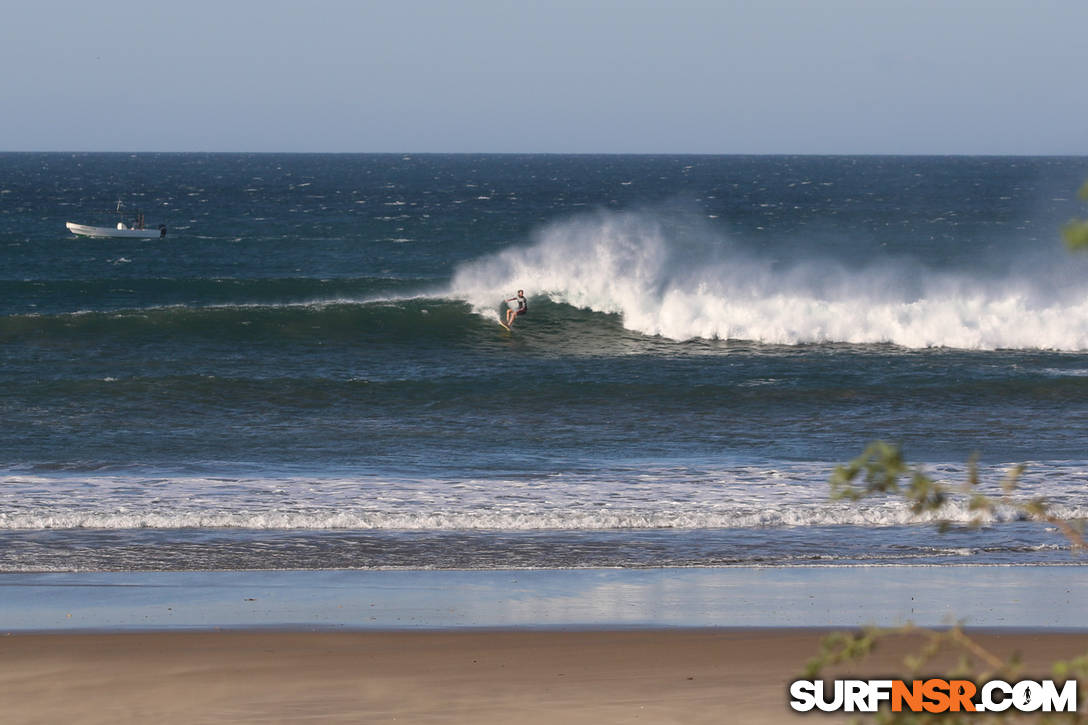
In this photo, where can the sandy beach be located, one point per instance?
(655, 676)
(657, 646)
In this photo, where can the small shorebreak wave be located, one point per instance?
(568, 520)
(121, 502)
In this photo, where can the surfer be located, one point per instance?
(512, 312)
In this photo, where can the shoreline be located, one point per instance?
(551, 599)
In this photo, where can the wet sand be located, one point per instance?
(983, 597)
(465, 676)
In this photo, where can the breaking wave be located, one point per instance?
(556, 520)
(124, 503)
(680, 280)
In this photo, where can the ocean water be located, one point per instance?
(308, 373)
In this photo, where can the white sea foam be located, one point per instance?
(680, 282)
(738, 497)
(568, 519)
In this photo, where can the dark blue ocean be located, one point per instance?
(307, 372)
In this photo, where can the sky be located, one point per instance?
(594, 76)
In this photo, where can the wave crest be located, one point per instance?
(676, 278)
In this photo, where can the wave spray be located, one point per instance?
(673, 276)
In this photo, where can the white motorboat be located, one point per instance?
(82, 230)
(135, 230)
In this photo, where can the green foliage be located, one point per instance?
(1076, 231)
(881, 466)
(1076, 667)
(839, 647)
(881, 469)
(973, 662)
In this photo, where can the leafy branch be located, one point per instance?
(1076, 231)
(973, 662)
(882, 470)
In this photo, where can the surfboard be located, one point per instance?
(502, 311)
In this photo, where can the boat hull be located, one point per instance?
(82, 230)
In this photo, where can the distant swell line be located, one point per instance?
(424, 314)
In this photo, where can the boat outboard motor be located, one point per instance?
(162, 231)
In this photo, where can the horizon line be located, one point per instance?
(130, 152)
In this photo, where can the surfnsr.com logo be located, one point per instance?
(933, 695)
